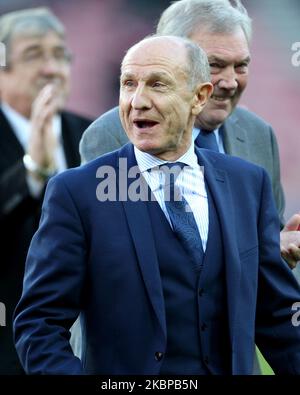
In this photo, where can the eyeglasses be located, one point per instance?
(36, 57)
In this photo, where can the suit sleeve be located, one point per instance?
(277, 187)
(13, 188)
(276, 336)
(95, 142)
(53, 283)
(106, 134)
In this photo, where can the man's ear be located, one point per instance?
(202, 94)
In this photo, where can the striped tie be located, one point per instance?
(181, 216)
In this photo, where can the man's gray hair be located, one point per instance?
(185, 17)
(199, 70)
(28, 22)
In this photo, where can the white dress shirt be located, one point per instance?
(21, 127)
(190, 183)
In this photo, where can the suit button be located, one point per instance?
(203, 327)
(159, 356)
(200, 291)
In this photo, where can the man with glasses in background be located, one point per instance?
(37, 139)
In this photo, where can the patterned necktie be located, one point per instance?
(181, 215)
(207, 139)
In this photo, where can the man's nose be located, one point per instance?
(50, 66)
(228, 79)
(140, 99)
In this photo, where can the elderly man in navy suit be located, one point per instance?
(223, 29)
(169, 253)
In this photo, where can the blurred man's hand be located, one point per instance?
(42, 141)
(290, 241)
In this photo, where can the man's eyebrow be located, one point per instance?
(156, 75)
(32, 47)
(126, 76)
(160, 75)
(246, 60)
(214, 58)
(39, 46)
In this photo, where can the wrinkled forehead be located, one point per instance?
(21, 42)
(232, 45)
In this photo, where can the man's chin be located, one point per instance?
(214, 119)
(150, 147)
(147, 147)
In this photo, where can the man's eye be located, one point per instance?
(62, 54)
(242, 67)
(32, 55)
(215, 65)
(128, 83)
(158, 84)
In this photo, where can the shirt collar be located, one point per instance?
(147, 161)
(19, 124)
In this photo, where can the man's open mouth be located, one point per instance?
(218, 98)
(144, 124)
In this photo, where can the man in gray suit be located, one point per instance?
(223, 30)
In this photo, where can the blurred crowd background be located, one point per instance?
(100, 31)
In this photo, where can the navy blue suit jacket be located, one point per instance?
(100, 258)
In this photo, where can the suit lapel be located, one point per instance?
(11, 147)
(216, 178)
(234, 138)
(141, 232)
(69, 140)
